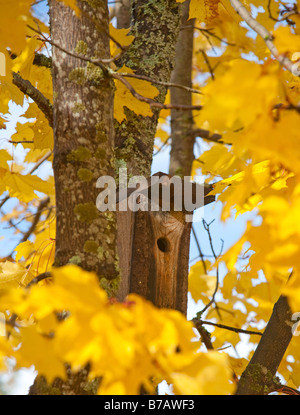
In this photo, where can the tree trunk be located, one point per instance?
(155, 25)
(83, 137)
(83, 151)
(123, 13)
(182, 150)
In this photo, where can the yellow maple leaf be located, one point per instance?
(37, 349)
(24, 249)
(119, 37)
(201, 285)
(4, 158)
(285, 41)
(22, 64)
(13, 23)
(13, 274)
(231, 105)
(5, 348)
(209, 374)
(24, 187)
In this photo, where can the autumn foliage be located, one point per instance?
(246, 92)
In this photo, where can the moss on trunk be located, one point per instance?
(155, 25)
(84, 137)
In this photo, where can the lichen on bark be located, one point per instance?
(84, 136)
(152, 53)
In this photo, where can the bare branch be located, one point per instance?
(41, 161)
(285, 14)
(204, 334)
(40, 209)
(157, 82)
(207, 135)
(230, 328)
(39, 278)
(199, 250)
(42, 102)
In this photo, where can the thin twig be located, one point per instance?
(206, 60)
(288, 14)
(39, 212)
(21, 142)
(287, 390)
(204, 334)
(39, 278)
(206, 227)
(4, 200)
(150, 101)
(157, 82)
(199, 250)
(210, 33)
(42, 205)
(41, 161)
(162, 147)
(207, 135)
(230, 328)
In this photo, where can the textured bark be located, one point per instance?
(258, 377)
(161, 258)
(83, 151)
(182, 150)
(155, 251)
(123, 13)
(83, 137)
(155, 25)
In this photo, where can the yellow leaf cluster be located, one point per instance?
(235, 100)
(201, 285)
(127, 344)
(205, 10)
(13, 23)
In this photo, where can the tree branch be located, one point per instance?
(157, 82)
(207, 135)
(41, 60)
(263, 32)
(230, 328)
(42, 102)
(259, 375)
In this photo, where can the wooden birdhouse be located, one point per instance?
(153, 241)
